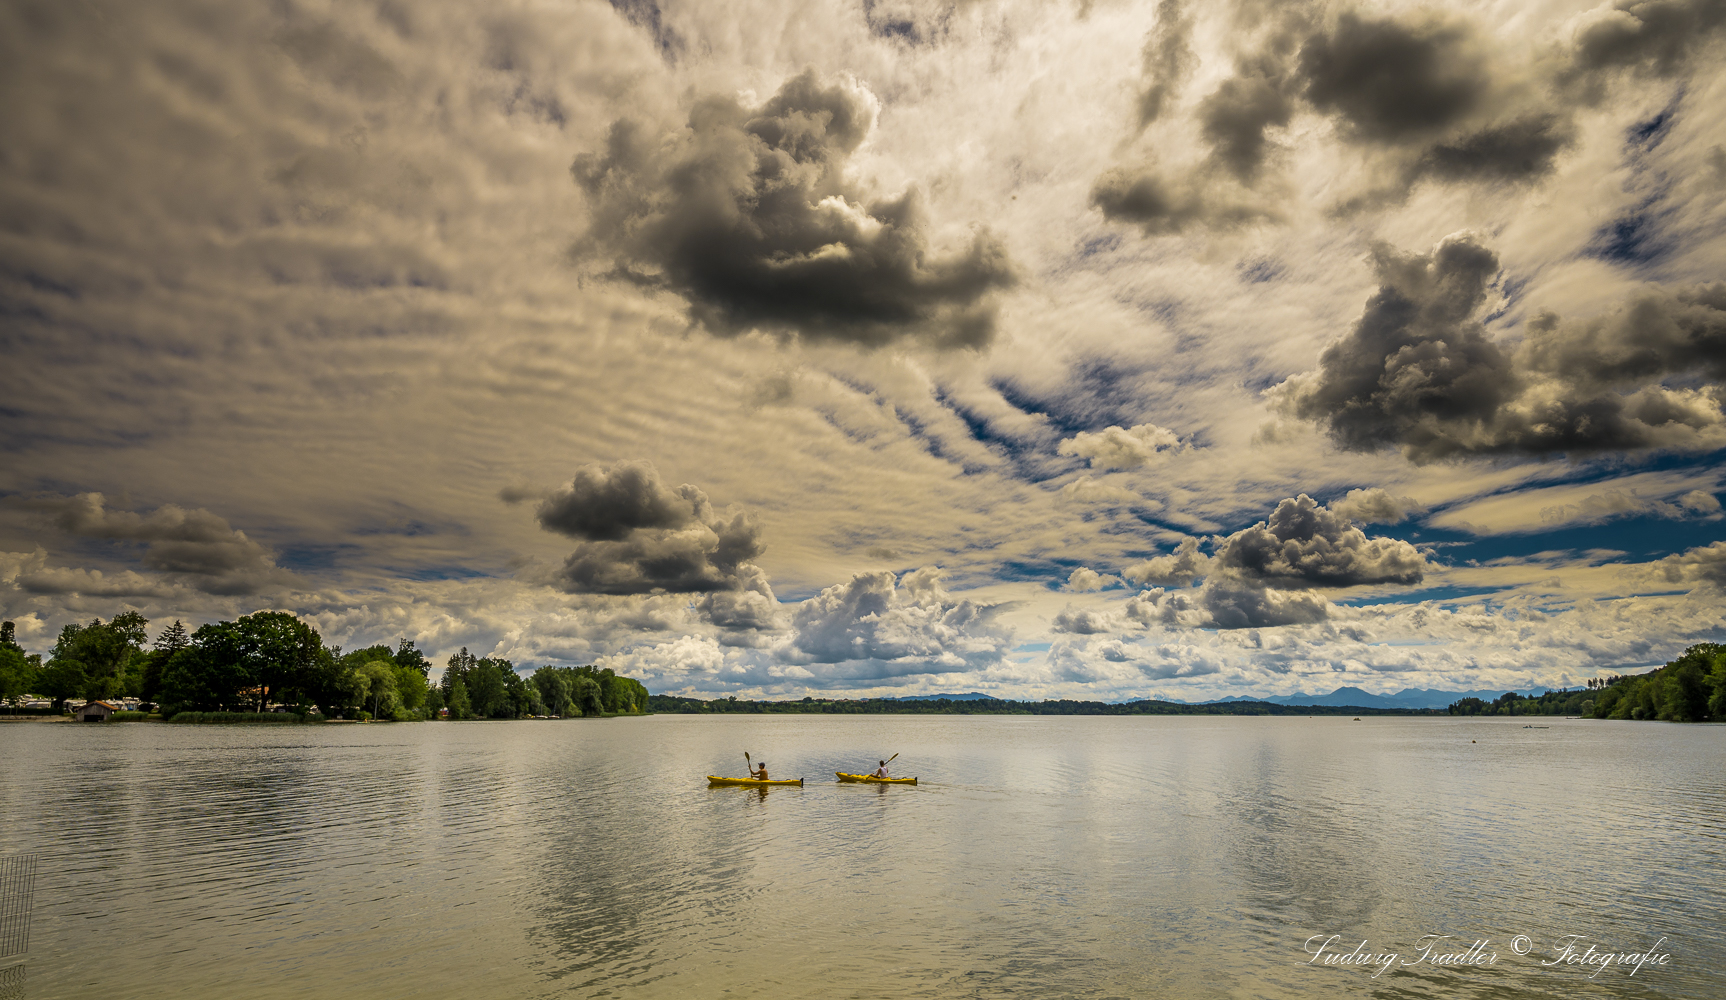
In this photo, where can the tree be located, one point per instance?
(277, 651)
(485, 688)
(95, 661)
(330, 684)
(130, 625)
(586, 695)
(173, 638)
(407, 657)
(201, 678)
(378, 682)
(459, 706)
(17, 674)
(412, 689)
(553, 690)
(265, 656)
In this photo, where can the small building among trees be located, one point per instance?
(95, 711)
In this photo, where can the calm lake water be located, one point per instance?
(1040, 857)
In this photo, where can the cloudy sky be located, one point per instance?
(1093, 349)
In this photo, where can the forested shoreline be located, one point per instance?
(1692, 688)
(271, 663)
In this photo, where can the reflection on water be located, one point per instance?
(1097, 857)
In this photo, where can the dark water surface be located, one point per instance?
(1040, 857)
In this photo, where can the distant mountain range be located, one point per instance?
(1342, 697)
(1354, 697)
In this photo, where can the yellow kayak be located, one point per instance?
(753, 782)
(879, 781)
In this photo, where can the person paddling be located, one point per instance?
(880, 772)
(759, 773)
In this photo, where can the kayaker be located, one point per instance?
(881, 772)
(759, 773)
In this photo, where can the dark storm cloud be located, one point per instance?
(639, 537)
(1226, 603)
(194, 546)
(1163, 204)
(1658, 37)
(606, 503)
(1167, 62)
(1144, 196)
(1416, 360)
(1178, 568)
(1419, 95)
(1235, 605)
(57, 581)
(1703, 564)
(1303, 544)
(1522, 149)
(1423, 91)
(1388, 80)
(1235, 117)
(1655, 335)
(1257, 575)
(748, 215)
(1419, 372)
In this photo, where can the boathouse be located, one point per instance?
(95, 711)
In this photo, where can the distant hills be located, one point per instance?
(1353, 697)
(1342, 697)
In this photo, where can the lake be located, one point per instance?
(1039, 857)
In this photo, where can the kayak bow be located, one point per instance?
(879, 781)
(713, 780)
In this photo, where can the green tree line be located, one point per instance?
(485, 688)
(271, 658)
(1692, 688)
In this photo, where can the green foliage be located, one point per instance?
(570, 691)
(331, 685)
(227, 717)
(94, 661)
(173, 638)
(586, 695)
(553, 691)
(268, 656)
(1692, 688)
(409, 658)
(201, 679)
(491, 687)
(18, 673)
(129, 717)
(377, 680)
(460, 706)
